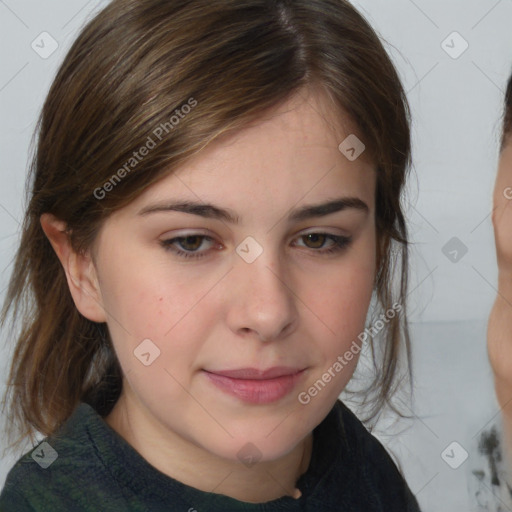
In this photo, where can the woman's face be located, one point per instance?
(253, 280)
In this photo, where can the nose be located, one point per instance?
(262, 298)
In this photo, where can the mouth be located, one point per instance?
(256, 386)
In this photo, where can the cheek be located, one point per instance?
(135, 300)
(343, 306)
(343, 293)
(156, 301)
(145, 295)
(342, 300)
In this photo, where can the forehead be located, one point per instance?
(289, 155)
(308, 119)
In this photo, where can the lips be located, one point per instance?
(256, 386)
(255, 374)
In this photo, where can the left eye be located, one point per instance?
(191, 244)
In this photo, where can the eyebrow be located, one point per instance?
(211, 211)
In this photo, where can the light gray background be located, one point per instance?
(456, 107)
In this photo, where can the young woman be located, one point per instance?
(215, 201)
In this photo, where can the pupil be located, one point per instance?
(315, 237)
(189, 238)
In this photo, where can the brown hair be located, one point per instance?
(507, 115)
(136, 64)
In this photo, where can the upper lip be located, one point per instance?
(256, 374)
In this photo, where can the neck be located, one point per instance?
(178, 458)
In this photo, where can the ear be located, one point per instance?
(80, 271)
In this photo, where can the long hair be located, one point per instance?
(173, 76)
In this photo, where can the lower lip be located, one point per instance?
(257, 391)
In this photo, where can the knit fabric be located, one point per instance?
(86, 466)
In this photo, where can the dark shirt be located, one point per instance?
(95, 469)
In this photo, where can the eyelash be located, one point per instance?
(340, 243)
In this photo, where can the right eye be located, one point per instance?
(186, 246)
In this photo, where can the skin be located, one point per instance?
(292, 306)
(500, 318)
